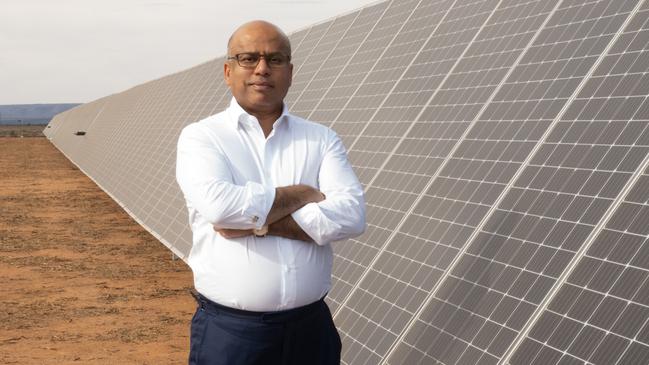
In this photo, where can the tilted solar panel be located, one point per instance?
(503, 147)
(600, 311)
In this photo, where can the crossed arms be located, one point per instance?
(298, 211)
(287, 200)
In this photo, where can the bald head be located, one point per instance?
(250, 30)
(260, 85)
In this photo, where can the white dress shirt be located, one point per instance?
(228, 172)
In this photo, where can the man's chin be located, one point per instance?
(262, 104)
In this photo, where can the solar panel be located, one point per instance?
(510, 261)
(304, 99)
(503, 147)
(601, 307)
(374, 332)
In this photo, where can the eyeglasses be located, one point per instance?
(251, 59)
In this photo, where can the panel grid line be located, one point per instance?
(333, 49)
(376, 61)
(412, 61)
(441, 167)
(315, 46)
(173, 249)
(503, 149)
(365, 273)
(593, 325)
(555, 288)
(349, 59)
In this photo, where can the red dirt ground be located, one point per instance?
(81, 282)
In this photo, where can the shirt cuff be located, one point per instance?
(315, 223)
(259, 200)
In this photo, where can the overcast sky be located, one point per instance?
(75, 51)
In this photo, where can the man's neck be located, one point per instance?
(266, 120)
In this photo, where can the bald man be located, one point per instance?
(267, 193)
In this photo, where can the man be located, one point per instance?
(267, 192)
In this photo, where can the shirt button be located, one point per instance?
(255, 219)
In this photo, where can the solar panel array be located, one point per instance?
(504, 150)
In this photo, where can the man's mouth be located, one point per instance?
(261, 85)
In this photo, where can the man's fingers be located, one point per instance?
(317, 195)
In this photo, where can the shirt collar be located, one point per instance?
(238, 115)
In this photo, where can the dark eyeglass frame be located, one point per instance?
(256, 56)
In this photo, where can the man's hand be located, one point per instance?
(291, 198)
(316, 196)
(288, 228)
(287, 200)
(233, 233)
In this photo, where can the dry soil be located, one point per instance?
(80, 281)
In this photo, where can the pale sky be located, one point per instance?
(75, 51)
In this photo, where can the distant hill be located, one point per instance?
(31, 113)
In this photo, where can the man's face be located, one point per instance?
(260, 89)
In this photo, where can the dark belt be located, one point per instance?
(276, 316)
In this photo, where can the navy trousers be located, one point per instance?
(226, 336)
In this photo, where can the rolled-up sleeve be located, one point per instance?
(342, 214)
(204, 176)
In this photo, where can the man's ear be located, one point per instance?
(226, 73)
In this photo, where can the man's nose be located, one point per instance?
(262, 67)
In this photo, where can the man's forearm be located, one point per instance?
(291, 198)
(288, 228)
(285, 227)
(287, 200)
